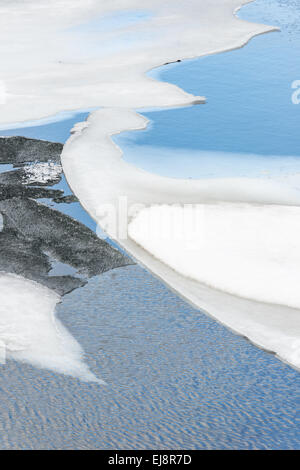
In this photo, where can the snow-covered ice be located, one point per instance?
(31, 333)
(52, 65)
(259, 218)
(247, 250)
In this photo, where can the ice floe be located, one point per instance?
(251, 233)
(30, 332)
(51, 63)
(248, 250)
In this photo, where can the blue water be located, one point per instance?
(177, 379)
(57, 130)
(249, 113)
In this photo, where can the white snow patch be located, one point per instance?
(241, 260)
(30, 332)
(246, 250)
(51, 62)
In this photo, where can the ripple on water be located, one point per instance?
(176, 379)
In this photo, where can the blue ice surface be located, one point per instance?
(249, 113)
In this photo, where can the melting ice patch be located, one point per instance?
(30, 332)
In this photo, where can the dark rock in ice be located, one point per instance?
(21, 256)
(24, 258)
(66, 199)
(14, 177)
(172, 62)
(21, 150)
(9, 191)
(63, 284)
(13, 184)
(33, 235)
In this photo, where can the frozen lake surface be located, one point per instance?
(176, 378)
(249, 125)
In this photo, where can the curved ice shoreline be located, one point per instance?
(93, 164)
(59, 69)
(272, 327)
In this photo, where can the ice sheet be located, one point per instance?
(41, 172)
(260, 217)
(30, 332)
(247, 250)
(102, 176)
(50, 65)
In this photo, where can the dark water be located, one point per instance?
(176, 378)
